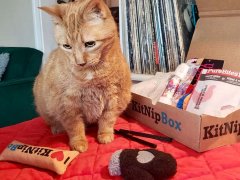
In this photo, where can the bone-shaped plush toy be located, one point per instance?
(43, 157)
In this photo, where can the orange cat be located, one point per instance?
(86, 79)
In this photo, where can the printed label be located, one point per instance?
(161, 117)
(224, 129)
(39, 151)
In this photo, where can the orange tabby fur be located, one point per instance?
(81, 84)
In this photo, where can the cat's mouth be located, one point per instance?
(89, 64)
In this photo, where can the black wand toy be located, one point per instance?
(131, 135)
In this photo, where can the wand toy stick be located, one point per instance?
(126, 135)
(160, 138)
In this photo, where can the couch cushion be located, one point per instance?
(22, 60)
(17, 64)
(4, 58)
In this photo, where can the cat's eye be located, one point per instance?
(90, 44)
(67, 46)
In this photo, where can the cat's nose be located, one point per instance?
(82, 64)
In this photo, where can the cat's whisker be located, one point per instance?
(71, 77)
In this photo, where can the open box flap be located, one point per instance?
(216, 35)
(218, 7)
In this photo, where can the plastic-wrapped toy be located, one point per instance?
(148, 164)
(179, 75)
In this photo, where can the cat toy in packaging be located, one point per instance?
(179, 74)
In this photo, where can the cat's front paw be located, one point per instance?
(79, 145)
(105, 138)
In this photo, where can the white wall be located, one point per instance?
(16, 23)
(22, 24)
(43, 27)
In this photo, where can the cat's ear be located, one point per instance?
(56, 11)
(96, 9)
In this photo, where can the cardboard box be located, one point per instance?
(217, 36)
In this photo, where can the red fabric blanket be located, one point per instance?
(221, 163)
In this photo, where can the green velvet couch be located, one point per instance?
(16, 97)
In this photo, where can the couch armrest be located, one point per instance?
(16, 101)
